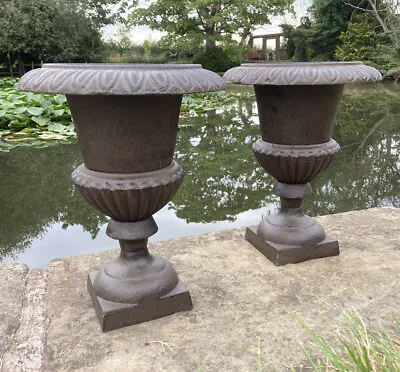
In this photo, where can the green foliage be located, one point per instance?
(182, 47)
(235, 51)
(216, 60)
(318, 34)
(338, 30)
(359, 348)
(358, 42)
(52, 31)
(170, 48)
(362, 42)
(298, 40)
(329, 19)
(28, 119)
(124, 50)
(207, 20)
(100, 12)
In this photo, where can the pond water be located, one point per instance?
(42, 218)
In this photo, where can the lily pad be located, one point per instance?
(35, 111)
(41, 120)
(56, 127)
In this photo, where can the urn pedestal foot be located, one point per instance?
(281, 254)
(290, 236)
(114, 315)
(136, 286)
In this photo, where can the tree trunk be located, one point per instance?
(10, 64)
(210, 44)
(244, 36)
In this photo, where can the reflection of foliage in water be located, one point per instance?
(36, 191)
(222, 175)
(222, 178)
(366, 172)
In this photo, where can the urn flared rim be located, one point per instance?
(302, 73)
(121, 79)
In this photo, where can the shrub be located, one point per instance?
(216, 60)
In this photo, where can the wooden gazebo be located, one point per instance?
(262, 55)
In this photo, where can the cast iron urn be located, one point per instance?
(297, 106)
(126, 118)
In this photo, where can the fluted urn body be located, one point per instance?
(297, 105)
(126, 118)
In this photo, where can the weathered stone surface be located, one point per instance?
(27, 348)
(12, 288)
(238, 296)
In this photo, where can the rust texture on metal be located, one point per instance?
(297, 104)
(126, 117)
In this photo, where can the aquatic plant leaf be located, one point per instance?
(58, 113)
(35, 111)
(41, 120)
(20, 110)
(60, 99)
(56, 127)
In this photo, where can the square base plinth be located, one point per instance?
(281, 254)
(113, 315)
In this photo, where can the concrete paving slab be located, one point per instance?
(12, 288)
(26, 351)
(239, 297)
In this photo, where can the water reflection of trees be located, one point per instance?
(223, 178)
(222, 175)
(366, 173)
(35, 192)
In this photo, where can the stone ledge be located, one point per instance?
(238, 297)
(12, 288)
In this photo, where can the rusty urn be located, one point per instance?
(297, 106)
(126, 119)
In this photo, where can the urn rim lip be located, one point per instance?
(120, 66)
(302, 73)
(303, 64)
(120, 79)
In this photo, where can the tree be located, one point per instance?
(299, 39)
(385, 13)
(208, 20)
(99, 12)
(321, 36)
(364, 41)
(329, 19)
(54, 31)
(359, 42)
(318, 34)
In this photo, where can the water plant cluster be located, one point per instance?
(29, 119)
(41, 120)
